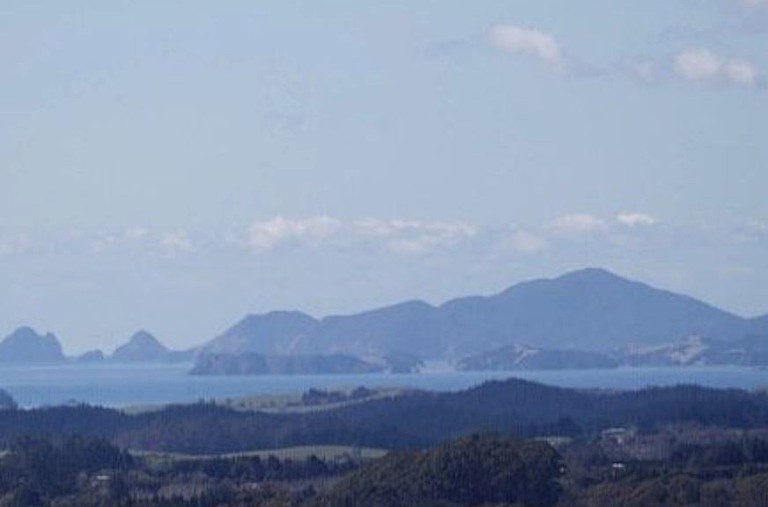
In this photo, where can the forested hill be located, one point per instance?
(413, 420)
(493, 471)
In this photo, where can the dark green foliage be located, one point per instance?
(728, 471)
(476, 470)
(413, 420)
(747, 451)
(81, 472)
(38, 469)
(6, 400)
(60, 422)
(256, 469)
(480, 470)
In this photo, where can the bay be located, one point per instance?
(122, 385)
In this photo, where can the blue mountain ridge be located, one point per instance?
(590, 309)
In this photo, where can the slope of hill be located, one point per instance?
(272, 333)
(91, 356)
(141, 347)
(519, 357)
(6, 400)
(409, 327)
(483, 469)
(759, 325)
(591, 310)
(251, 363)
(26, 346)
(595, 309)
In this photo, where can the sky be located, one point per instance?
(174, 166)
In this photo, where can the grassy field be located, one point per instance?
(324, 452)
(297, 404)
(288, 403)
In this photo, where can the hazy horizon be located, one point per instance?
(109, 348)
(175, 167)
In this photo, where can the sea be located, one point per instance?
(129, 385)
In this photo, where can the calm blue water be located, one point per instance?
(123, 385)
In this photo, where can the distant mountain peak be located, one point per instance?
(276, 316)
(24, 331)
(91, 356)
(26, 345)
(591, 273)
(591, 276)
(142, 346)
(143, 336)
(28, 333)
(275, 332)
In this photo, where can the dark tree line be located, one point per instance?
(412, 420)
(85, 471)
(477, 470)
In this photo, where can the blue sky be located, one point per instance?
(175, 165)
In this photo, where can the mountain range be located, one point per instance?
(143, 347)
(540, 322)
(588, 310)
(25, 345)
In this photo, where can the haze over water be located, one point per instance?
(131, 385)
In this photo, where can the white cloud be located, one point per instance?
(704, 66)
(104, 242)
(636, 219)
(518, 40)
(741, 72)
(411, 246)
(14, 244)
(177, 241)
(578, 223)
(404, 237)
(385, 228)
(268, 234)
(523, 241)
(137, 233)
(698, 65)
(759, 226)
(418, 238)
